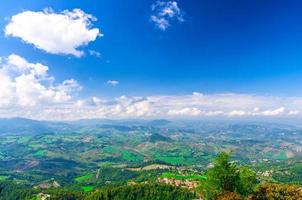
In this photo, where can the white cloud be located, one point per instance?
(214, 113)
(237, 113)
(256, 109)
(113, 82)
(196, 105)
(165, 12)
(133, 106)
(28, 90)
(275, 112)
(294, 112)
(56, 33)
(70, 85)
(95, 53)
(186, 112)
(90, 102)
(20, 65)
(28, 85)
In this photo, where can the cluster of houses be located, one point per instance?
(180, 183)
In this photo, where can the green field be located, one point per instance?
(280, 156)
(87, 188)
(2, 178)
(24, 139)
(76, 156)
(84, 178)
(125, 154)
(39, 153)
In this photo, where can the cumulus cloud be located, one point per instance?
(69, 86)
(55, 33)
(26, 85)
(28, 90)
(90, 102)
(163, 13)
(277, 111)
(197, 105)
(186, 112)
(113, 82)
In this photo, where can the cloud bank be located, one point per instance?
(55, 33)
(28, 90)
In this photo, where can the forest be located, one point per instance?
(226, 180)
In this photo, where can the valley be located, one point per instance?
(97, 154)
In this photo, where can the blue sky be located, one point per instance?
(214, 47)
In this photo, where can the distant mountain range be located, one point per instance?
(26, 126)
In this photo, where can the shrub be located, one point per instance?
(269, 191)
(229, 196)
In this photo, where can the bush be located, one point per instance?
(229, 196)
(269, 191)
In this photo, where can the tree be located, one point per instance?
(142, 192)
(222, 178)
(248, 181)
(227, 178)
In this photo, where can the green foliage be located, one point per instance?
(2, 178)
(125, 154)
(87, 188)
(174, 160)
(227, 177)
(116, 175)
(142, 192)
(124, 192)
(11, 191)
(269, 191)
(73, 155)
(84, 178)
(65, 194)
(223, 177)
(157, 137)
(229, 196)
(248, 181)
